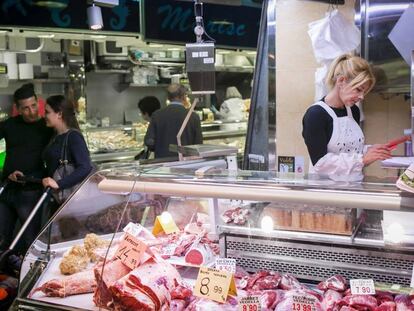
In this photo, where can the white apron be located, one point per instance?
(343, 162)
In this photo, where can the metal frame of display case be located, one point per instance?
(310, 256)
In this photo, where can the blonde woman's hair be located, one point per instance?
(355, 69)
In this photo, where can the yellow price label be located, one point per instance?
(214, 284)
(130, 251)
(164, 224)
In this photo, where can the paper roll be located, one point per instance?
(25, 71)
(13, 71)
(10, 58)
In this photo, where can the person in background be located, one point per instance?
(60, 115)
(26, 136)
(233, 107)
(331, 128)
(147, 106)
(166, 122)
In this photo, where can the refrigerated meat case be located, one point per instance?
(312, 229)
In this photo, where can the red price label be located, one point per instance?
(303, 303)
(362, 287)
(250, 303)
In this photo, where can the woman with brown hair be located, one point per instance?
(68, 142)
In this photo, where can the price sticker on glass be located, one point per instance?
(214, 284)
(226, 264)
(130, 251)
(250, 303)
(362, 287)
(303, 303)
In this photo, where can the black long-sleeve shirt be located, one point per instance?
(318, 126)
(77, 154)
(164, 126)
(24, 146)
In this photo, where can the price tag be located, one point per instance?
(250, 303)
(133, 229)
(130, 251)
(164, 225)
(412, 278)
(214, 284)
(303, 303)
(362, 287)
(168, 250)
(226, 264)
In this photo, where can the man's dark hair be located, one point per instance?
(149, 104)
(176, 91)
(24, 92)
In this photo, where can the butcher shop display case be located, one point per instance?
(138, 238)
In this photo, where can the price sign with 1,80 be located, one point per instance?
(214, 284)
(303, 303)
(250, 303)
(130, 251)
(362, 287)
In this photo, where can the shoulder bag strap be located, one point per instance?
(64, 153)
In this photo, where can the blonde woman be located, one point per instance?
(331, 128)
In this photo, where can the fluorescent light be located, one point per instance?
(174, 49)
(156, 45)
(224, 52)
(46, 35)
(251, 53)
(98, 36)
(267, 224)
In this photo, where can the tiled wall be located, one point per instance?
(386, 117)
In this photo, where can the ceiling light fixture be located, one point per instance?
(95, 20)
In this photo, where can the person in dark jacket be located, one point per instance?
(60, 115)
(166, 122)
(26, 136)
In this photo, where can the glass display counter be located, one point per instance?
(286, 234)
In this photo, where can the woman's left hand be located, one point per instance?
(50, 182)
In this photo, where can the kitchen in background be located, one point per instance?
(108, 72)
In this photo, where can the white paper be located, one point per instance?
(398, 161)
(362, 287)
(226, 264)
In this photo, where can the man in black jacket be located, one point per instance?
(26, 136)
(166, 122)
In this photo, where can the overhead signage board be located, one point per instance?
(68, 15)
(230, 26)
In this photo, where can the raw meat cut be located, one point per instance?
(113, 271)
(237, 215)
(202, 304)
(387, 306)
(383, 297)
(330, 299)
(288, 282)
(78, 283)
(199, 254)
(359, 302)
(336, 282)
(178, 305)
(404, 303)
(146, 287)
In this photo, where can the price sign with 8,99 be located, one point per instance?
(362, 287)
(214, 284)
(250, 303)
(303, 303)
